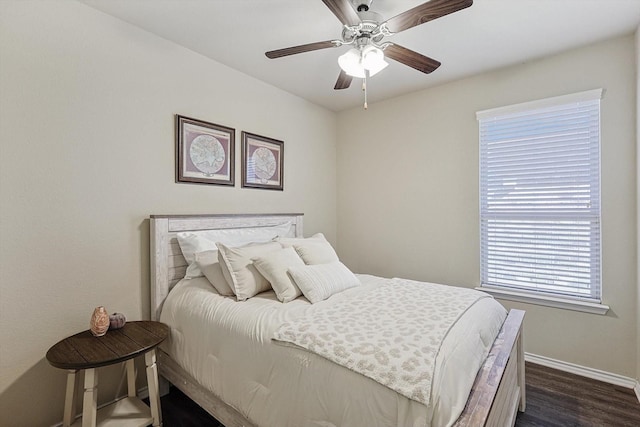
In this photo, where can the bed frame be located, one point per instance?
(498, 391)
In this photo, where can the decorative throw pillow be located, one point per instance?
(209, 264)
(274, 265)
(313, 250)
(319, 282)
(237, 267)
(192, 242)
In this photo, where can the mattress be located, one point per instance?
(227, 346)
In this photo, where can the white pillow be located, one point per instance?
(313, 250)
(208, 263)
(192, 242)
(319, 282)
(274, 265)
(237, 267)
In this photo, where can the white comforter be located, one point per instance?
(227, 346)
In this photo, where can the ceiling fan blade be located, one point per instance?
(344, 81)
(424, 13)
(409, 57)
(301, 49)
(343, 11)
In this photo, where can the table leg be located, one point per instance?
(90, 401)
(70, 399)
(131, 378)
(152, 384)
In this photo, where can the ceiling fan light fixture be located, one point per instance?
(373, 60)
(351, 63)
(356, 62)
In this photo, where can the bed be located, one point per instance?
(496, 395)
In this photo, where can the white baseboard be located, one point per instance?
(637, 390)
(143, 393)
(594, 374)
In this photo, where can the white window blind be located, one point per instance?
(540, 196)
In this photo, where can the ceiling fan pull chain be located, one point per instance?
(364, 88)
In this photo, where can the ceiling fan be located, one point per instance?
(366, 31)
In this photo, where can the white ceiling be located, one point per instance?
(488, 35)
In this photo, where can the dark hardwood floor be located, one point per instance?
(554, 399)
(180, 411)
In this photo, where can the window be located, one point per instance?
(540, 201)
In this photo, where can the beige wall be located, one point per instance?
(87, 154)
(408, 192)
(638, 203)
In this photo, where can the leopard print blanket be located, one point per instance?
(392, 334)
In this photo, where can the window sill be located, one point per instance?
(548, 301)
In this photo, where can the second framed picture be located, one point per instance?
(262, 162)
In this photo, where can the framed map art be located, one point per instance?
(262, 162)
(205, 152)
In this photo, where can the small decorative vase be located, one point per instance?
(99, 321)
(117, 321)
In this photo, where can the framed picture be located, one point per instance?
(205, 152)
(262, 162)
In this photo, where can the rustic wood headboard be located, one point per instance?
(168, 265)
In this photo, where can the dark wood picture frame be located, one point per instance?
(205, 152)
(262, 162)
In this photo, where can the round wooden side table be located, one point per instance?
(85, 352)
